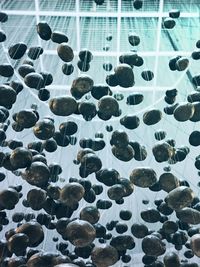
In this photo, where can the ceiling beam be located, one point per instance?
(97, 14)
(141, 53)
(159, 30)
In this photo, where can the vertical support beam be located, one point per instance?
(118, 29)
(78, 28)
(159, 29)
(37, 9)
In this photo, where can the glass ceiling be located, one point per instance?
(87, 25)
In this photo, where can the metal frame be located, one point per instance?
(142, 53)
(39, 40)
(97, 14)
(159, 28)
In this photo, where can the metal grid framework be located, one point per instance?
(78, 13)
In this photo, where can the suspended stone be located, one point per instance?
(36, 198)
(196, 80)
(152, 116)
(84, 67)
(59, 37)
(138, 4)
(18, 243)
(150, 215)
(170, 100)
(124, 75)
(130, 122)
(65, 52)
(125, 215)
(147, 75)
(146, 259)
(169, 23)
(196, 116)
(133, 39)
(118, 96)
(81, 85)
(99, 2)
(67, 68)
(140, 151)
(88, 110)
(116, 192)
(172, 63)
(194, 138)
(6, 70)
(85, 55)
(162, 152)
(170, 227)
(34, 232)
(44, 30)
(7, 96)
(3, 17)
(43, 94)
(123, 242)
(143, 177)
(71, 193)
(25, 69)
(195, 55)
(111, 80)
(90, 163)
(90, 214)
(68, 128)
(195, 244)
(37, 174)
(98, 91)
(129, 187)
(17, 86)
(174, 13)
(2, 36)
(171, 259)
(34, 80)
(21, 158)
(104, 204)
(9, 198)
(131, 59)
(180, 197)
(35, 52)
(160, 135)
(164, 209)
(105, 255)
(182, 64)
(153, 246)
(139, 230)
(50, 145)
(108, 176)
(171, 93)
(47, 76)
(184, 112)
(28, 62)
(188, 215)
(169, 110)
(26, 118)
(108, 105)
(119, 138)
(95, 144)
(63, 105)
(17, 51)
(107, 66)
(80, 233)
(44, 129)
(168, 182)
(193, 97)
